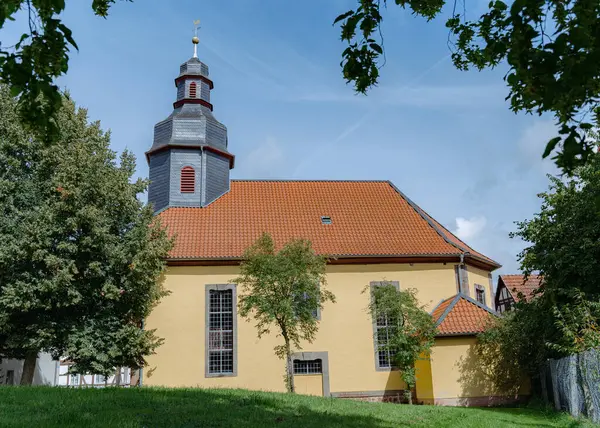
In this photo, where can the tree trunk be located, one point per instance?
(289, 369)
(289, 364)
(29, 368)
(409, 395)
(118, 377)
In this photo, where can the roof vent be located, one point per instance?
(325, 219)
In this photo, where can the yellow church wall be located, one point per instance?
(309, 384)
(345, 332)
(450, 360)
(458, 377)
(480, 276)
(424, 380)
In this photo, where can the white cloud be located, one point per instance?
(264, 161)
(420, 96)
(531, 146)
(428, 96)
(467, 229)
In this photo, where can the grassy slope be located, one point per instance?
(149, 407)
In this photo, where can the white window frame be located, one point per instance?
(220, 287)
(378, 366)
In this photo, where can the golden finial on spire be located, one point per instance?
(195, 39)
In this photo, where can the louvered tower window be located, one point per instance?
(188, 179)
(193, 90)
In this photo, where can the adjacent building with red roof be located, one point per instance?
(515, 288)
(370, 231)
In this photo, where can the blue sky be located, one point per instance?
(446, 138)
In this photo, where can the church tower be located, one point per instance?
(189, 162)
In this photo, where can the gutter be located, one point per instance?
(457, 256)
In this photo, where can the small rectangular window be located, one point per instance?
(308, 367)
(480, 293)
(325, 219)
(100, 379)
(74, 379)
(317, 310)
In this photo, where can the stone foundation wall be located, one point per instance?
(374, 396)
(400, 398)
(488, 401)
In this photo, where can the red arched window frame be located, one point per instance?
(188, 179)
(193, 90)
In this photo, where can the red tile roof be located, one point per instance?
(519, 287)
(439, 310)
(461, 315)
(368, 218)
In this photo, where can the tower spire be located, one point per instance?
(195, 39)
(189, 162)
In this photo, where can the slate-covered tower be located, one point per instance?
(189, 162)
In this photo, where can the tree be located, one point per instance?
(565, 249)
(513, 347)
(39, 57)
(411, 330)
(283, 290)
(551, 47)
(80, 256)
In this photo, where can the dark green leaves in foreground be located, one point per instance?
(563, 246)
(552, 48)
(81, 257)
(31, 66)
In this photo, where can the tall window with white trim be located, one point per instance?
(221, 332)
(384, 329)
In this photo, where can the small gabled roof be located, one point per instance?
(461, 315)
(364, 219)
(518, 287)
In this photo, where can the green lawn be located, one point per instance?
(150, 407)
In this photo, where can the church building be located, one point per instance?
(372, 233)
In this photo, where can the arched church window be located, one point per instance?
(188, 179)
(193, 90)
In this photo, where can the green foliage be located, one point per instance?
(564, 248)
(413, 331)
(551, 47)
(40, 56)
(512, 348)
(80, 256)
(283, 289)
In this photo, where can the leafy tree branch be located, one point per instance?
(551, 48)
(40, 56)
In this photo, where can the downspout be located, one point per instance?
(141, 371)
(461, 277)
